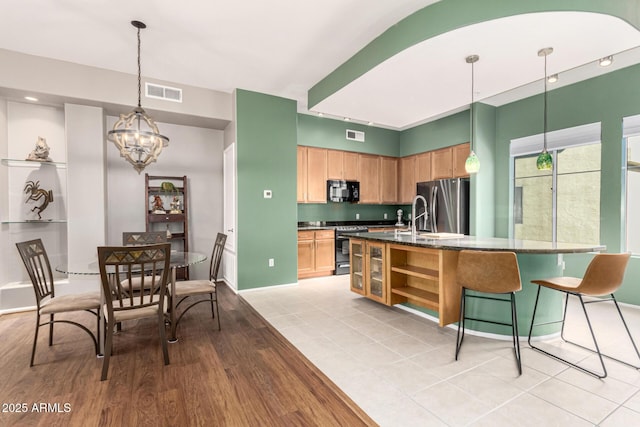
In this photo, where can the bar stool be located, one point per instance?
(489, 273)
(603, 277)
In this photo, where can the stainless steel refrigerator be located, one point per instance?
(447, 206)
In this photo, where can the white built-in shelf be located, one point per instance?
(33, 221)
(32, 163)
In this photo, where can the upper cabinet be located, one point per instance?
(342, 165)
(449, 162)
(312, 175)
(389, 179)
(460, 154)
(383, 179)
(441, 166)
(369, 178)
(407, 179)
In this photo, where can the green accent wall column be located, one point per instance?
(266, 160)
(482, 197)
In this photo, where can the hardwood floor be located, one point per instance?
(245, 374)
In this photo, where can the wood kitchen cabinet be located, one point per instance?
(316, 253)
(407, 179)
(388, 180)
(441, 163)
(368, 269)
(312, 175)
(423, 168)
(369, 178)
(342, 165)
(460, 154)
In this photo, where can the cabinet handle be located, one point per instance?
(230, 230)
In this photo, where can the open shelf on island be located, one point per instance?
(426, 299)
(412, 270)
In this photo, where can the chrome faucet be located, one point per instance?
(413, 213)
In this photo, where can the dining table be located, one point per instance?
(91, 268)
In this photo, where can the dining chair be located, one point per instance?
(133, 238)
(35, 259)
(194, 288)
(602, 278)
(122, 302)
(489, 273)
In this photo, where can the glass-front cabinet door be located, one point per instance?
(375, 272)
(357, 264)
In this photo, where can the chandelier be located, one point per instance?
(136, 134)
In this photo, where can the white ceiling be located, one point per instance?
(284, 47)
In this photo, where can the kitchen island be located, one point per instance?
(419, 272)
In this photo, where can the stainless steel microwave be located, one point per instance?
(343, 191)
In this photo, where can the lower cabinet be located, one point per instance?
(368, 269)
(316, 253)
(395, 274)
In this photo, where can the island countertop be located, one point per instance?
(480, 243)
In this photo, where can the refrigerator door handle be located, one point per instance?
(434, 209)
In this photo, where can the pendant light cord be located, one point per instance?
(545, 104)
(139, 73)
(472, 118)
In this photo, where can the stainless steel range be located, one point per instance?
(342, 246)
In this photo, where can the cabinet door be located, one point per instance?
(325, 254)
(350, 164)
(389, 179)
(316, 175)
(441, 163)
(460, 154)
(302, 174)
(356, 260)
(369, 179)
(335, 164)
(407, 181)
(375, 272)
(423, 168)
(306, 252)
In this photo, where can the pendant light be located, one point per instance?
(545, 161)
(472, 164)
(136, 134)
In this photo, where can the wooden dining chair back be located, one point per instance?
(131, 238)
(489, 273)
(194, 288)
(604, 275)
(122, 302)
(35, 259)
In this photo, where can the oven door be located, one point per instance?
(342, 254)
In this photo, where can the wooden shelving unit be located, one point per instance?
(176, 223)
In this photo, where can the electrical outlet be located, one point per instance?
(267, 194)
(385, 216)
(271, 262)
(357, 216)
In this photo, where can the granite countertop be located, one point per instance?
(480, 243)
(330, 225)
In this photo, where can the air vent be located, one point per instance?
(163, 92)
(355, 135)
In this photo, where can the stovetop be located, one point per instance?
(351, 228)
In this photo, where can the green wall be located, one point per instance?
(348, 211)
(266, 159)
(450, 130)
(606, 99)
(323, 132)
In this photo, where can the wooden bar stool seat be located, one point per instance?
(489, 273)
(603, 277)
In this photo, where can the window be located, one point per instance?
(561, 205)
(632, 201)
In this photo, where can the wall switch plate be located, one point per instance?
(271, 262)
(267, 194)
(357, 216)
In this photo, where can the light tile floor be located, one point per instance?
(400, 368)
